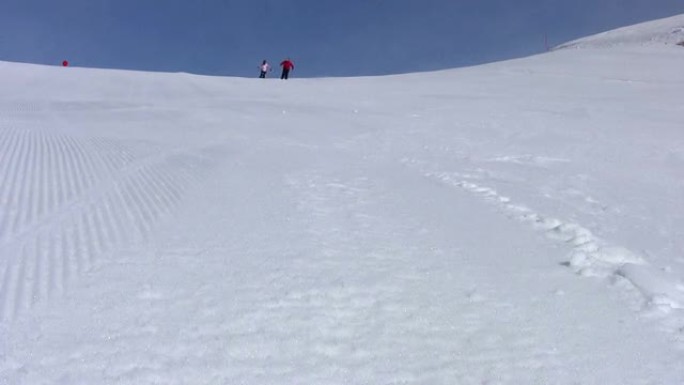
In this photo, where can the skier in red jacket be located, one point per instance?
(287, 66)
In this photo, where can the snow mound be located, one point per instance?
(662, 31)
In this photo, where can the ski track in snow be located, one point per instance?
(70, 201)
(590, 256)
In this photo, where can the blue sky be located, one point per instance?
(323, 37)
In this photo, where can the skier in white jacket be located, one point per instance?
(265, 67)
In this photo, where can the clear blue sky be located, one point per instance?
(323, 37)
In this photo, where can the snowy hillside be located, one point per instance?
(515, 223)
(657, 32)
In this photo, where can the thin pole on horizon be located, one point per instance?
(546, 42)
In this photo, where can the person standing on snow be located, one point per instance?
(265, 67)
(287, 67)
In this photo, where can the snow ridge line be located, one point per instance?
(42, 174)
(76, 206)
(43, 265)
(93, 167)
(590, 255)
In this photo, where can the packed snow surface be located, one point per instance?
(664, 31)
(515, 223)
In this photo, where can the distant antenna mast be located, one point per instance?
(546, 42)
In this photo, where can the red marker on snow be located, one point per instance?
(65, 63)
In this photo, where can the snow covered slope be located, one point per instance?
(657, 32)
(515, 223)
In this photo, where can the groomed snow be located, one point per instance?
(515, 223)
(657, 32)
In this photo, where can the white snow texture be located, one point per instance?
(519, 222)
